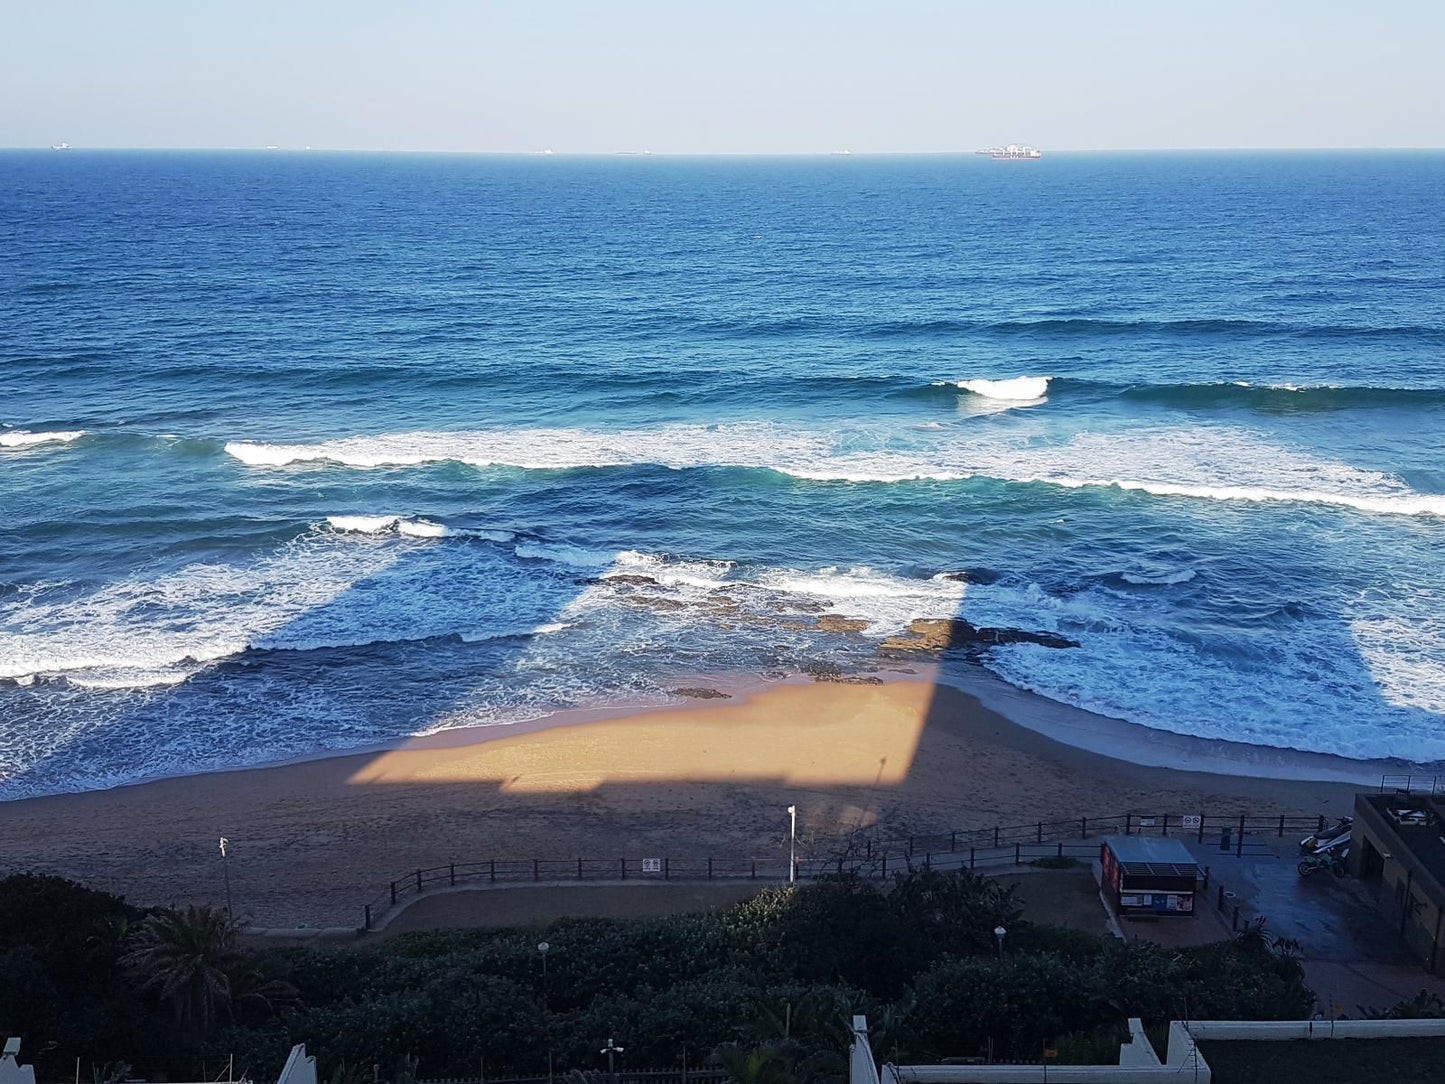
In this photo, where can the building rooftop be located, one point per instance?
(1419, 821)
(1153, 856)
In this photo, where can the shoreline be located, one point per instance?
(1079, 728)
(312, 840)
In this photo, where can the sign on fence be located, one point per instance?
(652, 865)
(1191, 821)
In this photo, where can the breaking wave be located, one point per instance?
(23, 439)
(1207, 463)
(1017, 389)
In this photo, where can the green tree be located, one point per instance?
(185, 959)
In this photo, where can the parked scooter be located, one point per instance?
(1332, 838)
(1332, 860)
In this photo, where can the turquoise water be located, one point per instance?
(348, 447)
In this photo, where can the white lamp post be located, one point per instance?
(226, 868)
(611, 1050)
(792, 843)
(999, 932)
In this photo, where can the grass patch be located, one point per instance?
(1056, 862)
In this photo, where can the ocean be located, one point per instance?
(307, 452)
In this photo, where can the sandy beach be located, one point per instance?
(311, 841)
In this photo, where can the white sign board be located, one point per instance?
(1192, 822)
(652, 865)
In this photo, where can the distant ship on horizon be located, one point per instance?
(60, 146)
(1014, 151)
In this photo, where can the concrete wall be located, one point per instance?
(1410, 899)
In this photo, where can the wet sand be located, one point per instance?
(311, 842)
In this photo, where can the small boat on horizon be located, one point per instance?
(1012, 152)
(60, 146)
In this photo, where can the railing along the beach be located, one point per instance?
(861, 856)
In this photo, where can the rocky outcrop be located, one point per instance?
(838, 623)
(698, 693)
(929, 636)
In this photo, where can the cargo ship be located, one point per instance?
(1013, 151)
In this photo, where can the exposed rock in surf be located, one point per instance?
(932, 636)
(851, 679)
(983, 576)
(821, 671)
(837, 623)
(631, 580)
(654, 602)
(700, 693)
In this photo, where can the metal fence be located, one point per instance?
(1412, 784)
(598, 1076)
(868, 857)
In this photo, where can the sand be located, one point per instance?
(311, 842)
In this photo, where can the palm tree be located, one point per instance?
(185, 958)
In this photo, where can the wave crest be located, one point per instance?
(23, 439)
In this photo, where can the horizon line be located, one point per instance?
(842, 152)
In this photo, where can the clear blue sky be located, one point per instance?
(722, 76)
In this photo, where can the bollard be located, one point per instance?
(579, 869)
(1083, 827)
(622, 864)
(1018, 860)
(1239, 843)
(667, 869)
(1061, 848)
(1281, 826)
(493, 869)
(393, 893)
(1206, 878)
(1201, 828)
(970, 859)
(536, 870)
(452, 873)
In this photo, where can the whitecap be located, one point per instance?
(1016, 389)
(23, 439)
(362, 524)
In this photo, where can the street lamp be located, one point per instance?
(611, 1050)
(999, 933)
(226, 868)
(542, 947)
(792, 843)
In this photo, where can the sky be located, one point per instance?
(728, 76)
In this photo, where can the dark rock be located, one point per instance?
(836, 623)
(937, 636)
(699, 693)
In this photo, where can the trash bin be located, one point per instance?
(1225, 835)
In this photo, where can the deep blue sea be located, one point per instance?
(305, 452)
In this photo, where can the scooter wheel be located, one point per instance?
(1305, 869)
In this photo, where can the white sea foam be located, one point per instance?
(423, 528)
(1183, 575)
(567, 554)
(22, 439)
(155, 629)
(1202, 462)
(1016, 389)
(362, 524)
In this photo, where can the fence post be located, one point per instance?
(995, 835)
(1128, 818)
(1083, 827)
(1061, 848)
(1201, 828)
(1018, 859)
(1281, 826)
(667, 869)
(367, 924)
(418, 880)
(709, 868)
(1165, 829)
(622, 865)
(493, 870)
(393, 893)
(1206, 878)
(452, 872)
(579, 869)
(952, 842)
(1239, 846)
(536, 871)
(970, 860)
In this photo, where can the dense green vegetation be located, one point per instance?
(763, 989)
